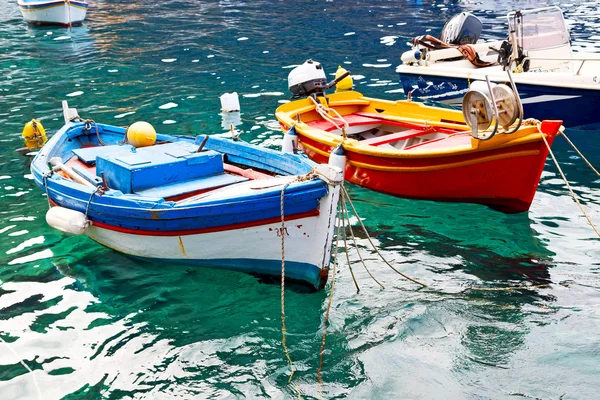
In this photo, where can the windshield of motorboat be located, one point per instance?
(539, 29)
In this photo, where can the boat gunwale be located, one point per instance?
(527, 134)
(139, 208)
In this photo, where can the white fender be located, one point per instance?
(337, 158)
(290, 141)
(66, 220)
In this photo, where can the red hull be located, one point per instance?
(503, 178)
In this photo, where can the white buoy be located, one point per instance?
(230, 102)
(337, 158)
(290, 141)
(66, 220)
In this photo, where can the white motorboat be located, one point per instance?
(553, 80)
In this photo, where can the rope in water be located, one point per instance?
(346, 250)
(326, 319)
(580, 155)
(345, 193)
(347, 216)
(567, 183)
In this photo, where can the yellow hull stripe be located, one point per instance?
(432, 167)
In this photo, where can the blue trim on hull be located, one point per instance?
(578, 108)
(297, 271)
(136, 212)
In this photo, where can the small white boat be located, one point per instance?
(553, 80)
(53, 12)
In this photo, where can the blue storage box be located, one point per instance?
(157, 165)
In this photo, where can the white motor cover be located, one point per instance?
(337, 158)
(306, 79)
(66, 220)
(306, 72)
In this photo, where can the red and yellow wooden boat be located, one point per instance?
(410, 150)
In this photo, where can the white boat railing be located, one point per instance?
(583, 60)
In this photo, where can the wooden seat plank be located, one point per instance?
(393, 137)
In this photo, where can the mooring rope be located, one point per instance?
(283, 327)
(346, 248)
(567, 183)
(347, 216)
(580, 155)
(87, 207)
(326, 319)
(308, 176)
(373, 244)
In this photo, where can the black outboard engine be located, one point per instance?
(463, 28)
(307, 79)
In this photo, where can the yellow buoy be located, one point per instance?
(344, 84)
(141, 134)
(34, 134)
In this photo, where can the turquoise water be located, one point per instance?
(92, 323)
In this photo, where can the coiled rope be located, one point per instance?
(337, 120)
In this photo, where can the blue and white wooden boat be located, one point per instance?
(53, 12)
(553, 80)
(218, 207)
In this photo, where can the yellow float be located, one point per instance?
(34, 134)
(141, 134)
(345, 84)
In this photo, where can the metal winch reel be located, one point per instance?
(488, 103)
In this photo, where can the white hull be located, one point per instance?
(54, 13)
(308, 243)
(587, 78)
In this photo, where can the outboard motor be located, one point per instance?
(463, 28)
(307, 79)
